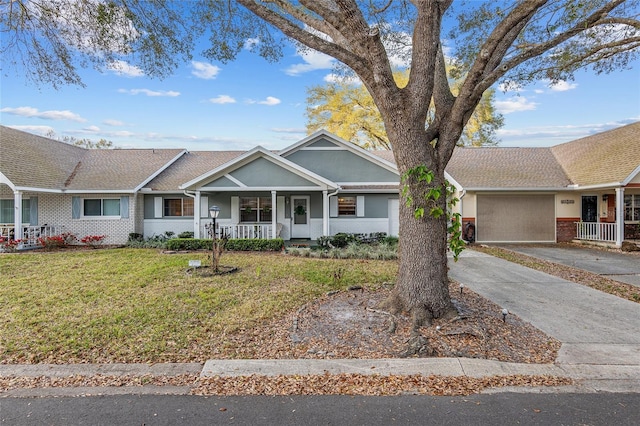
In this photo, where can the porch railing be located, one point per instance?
(596, 231)
(30, 234)
(251, 231)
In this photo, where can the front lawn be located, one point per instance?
(138, 305)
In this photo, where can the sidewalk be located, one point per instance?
(600, 335)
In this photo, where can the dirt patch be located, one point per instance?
(348, 324)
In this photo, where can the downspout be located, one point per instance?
(196, 212)
(328, 209)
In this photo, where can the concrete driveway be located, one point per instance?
(623, 267)
(594, 327)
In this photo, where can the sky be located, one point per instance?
(248, 102)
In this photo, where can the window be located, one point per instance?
(178, 206)
(346, 206)
(101, 206)
(7, 211)
(632, 207)
(255, 209)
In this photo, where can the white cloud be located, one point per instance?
(348, 79)
(92, 129)
(114, 123)
(125, 69)
(45, 115)
(250, 43)
(39, 130)
(270, 100)
(562, 86)
(313, 60)
(153, 93)
(204, 70)
(222, 99)
(515, 104)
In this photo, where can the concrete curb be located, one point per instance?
(590, 378)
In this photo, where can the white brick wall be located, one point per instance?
(55, 209)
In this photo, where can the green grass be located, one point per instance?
(138, 305)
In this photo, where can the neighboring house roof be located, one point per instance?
(502, 168)
(190, 165)
(611, 157)
(506, 168)
(30, 161)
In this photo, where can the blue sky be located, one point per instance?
(249, 102)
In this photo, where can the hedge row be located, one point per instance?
(241, 244)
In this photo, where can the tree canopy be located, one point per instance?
(348, 110)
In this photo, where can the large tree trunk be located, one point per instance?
(423, 284)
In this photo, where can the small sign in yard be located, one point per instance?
(194, 264)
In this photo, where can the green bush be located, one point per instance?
(242, 244)
(186, 234)
(233, 245)
(134, 236)
(342, 240)
(189, 244)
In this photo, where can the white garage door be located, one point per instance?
(516, 218)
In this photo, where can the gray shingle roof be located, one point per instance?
(508, 168)
(190, 166)
(608, 157)
(33, 161)
(37, 162)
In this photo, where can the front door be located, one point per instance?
(589, 208)
(300, 216)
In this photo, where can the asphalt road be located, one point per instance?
(491, 409)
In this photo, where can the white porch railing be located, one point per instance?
(30, 234)
(251, 231)
(596, 231)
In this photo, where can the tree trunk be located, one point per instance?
(423, 284)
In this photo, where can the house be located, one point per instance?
(321, 185)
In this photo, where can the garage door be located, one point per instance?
(515, 218)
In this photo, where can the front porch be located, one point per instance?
(606, 233)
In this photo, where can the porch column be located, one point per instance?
(17, 215)
(325, 212)
(274, 216)
(196, 215)
(619, 216)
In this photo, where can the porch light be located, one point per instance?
(461, 288)
(504, 315)
(214, 211)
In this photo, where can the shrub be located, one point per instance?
(233, 245)
(56, 241)
(189, 244)
(93, 240)
(134, 236)
(342, 240)
(242, 244)
(186, 234)
(8, 245)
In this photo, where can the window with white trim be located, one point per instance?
(632, 207)
(7, 212)
(256, 209)
(178, 207)
(347, 206)
(95, 207)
